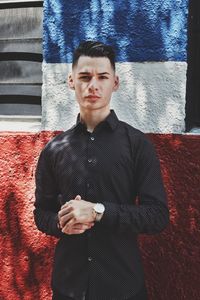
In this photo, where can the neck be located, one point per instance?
(93, 117)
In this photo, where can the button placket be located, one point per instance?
(91, 157)
(91, 253)
(91, 163)
(88, 185)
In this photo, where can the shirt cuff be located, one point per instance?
(55, 229)
(110, 215)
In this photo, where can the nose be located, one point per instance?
(93, 85)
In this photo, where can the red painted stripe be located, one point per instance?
(171, 259)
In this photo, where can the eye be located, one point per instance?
(85, 78)
(103, 77)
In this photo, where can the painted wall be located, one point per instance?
(140, 30)
(148, 98)
(171, 259)
(150, 38)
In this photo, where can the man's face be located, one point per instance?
(93, 80)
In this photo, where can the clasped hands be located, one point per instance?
(76, 216)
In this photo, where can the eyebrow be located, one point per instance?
(86, 73)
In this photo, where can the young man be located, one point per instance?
(96, 170)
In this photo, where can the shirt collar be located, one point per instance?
(112, 120)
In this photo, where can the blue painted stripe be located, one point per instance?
(140, 30)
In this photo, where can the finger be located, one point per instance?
(67, 204)
(73, 231)
(85, 223)
(69, 218)
(67, 226)
(64, 211)
(81, 226)
(89, 224)
(74, 228)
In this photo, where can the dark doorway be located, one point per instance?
(193, 73)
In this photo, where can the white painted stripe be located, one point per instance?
(151, 96)
(20, 123)
(18, 1)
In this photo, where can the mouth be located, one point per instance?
(92, 97)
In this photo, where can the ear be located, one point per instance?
(71, 82)
(116, 83)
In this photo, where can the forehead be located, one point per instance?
(93, 64)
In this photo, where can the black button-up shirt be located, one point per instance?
(115, 165)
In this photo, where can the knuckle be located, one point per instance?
(75, 215)
(62, 221)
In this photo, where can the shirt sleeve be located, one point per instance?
(46, 195)
(151, 214)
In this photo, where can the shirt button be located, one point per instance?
(94, 161)
(92, 138)
(89, 258)
(89, 160)
(88, 185)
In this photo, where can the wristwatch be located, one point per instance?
(99, 209)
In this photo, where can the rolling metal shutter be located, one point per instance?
(20, 57)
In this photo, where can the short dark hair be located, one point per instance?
(94, 49)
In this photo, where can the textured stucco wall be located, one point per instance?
(140, 30)
(150, 39)
(171, 259)
(151, 96)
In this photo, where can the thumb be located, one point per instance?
(78, 197)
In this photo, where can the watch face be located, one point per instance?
(99, 208)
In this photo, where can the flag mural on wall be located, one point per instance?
(150, 39)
